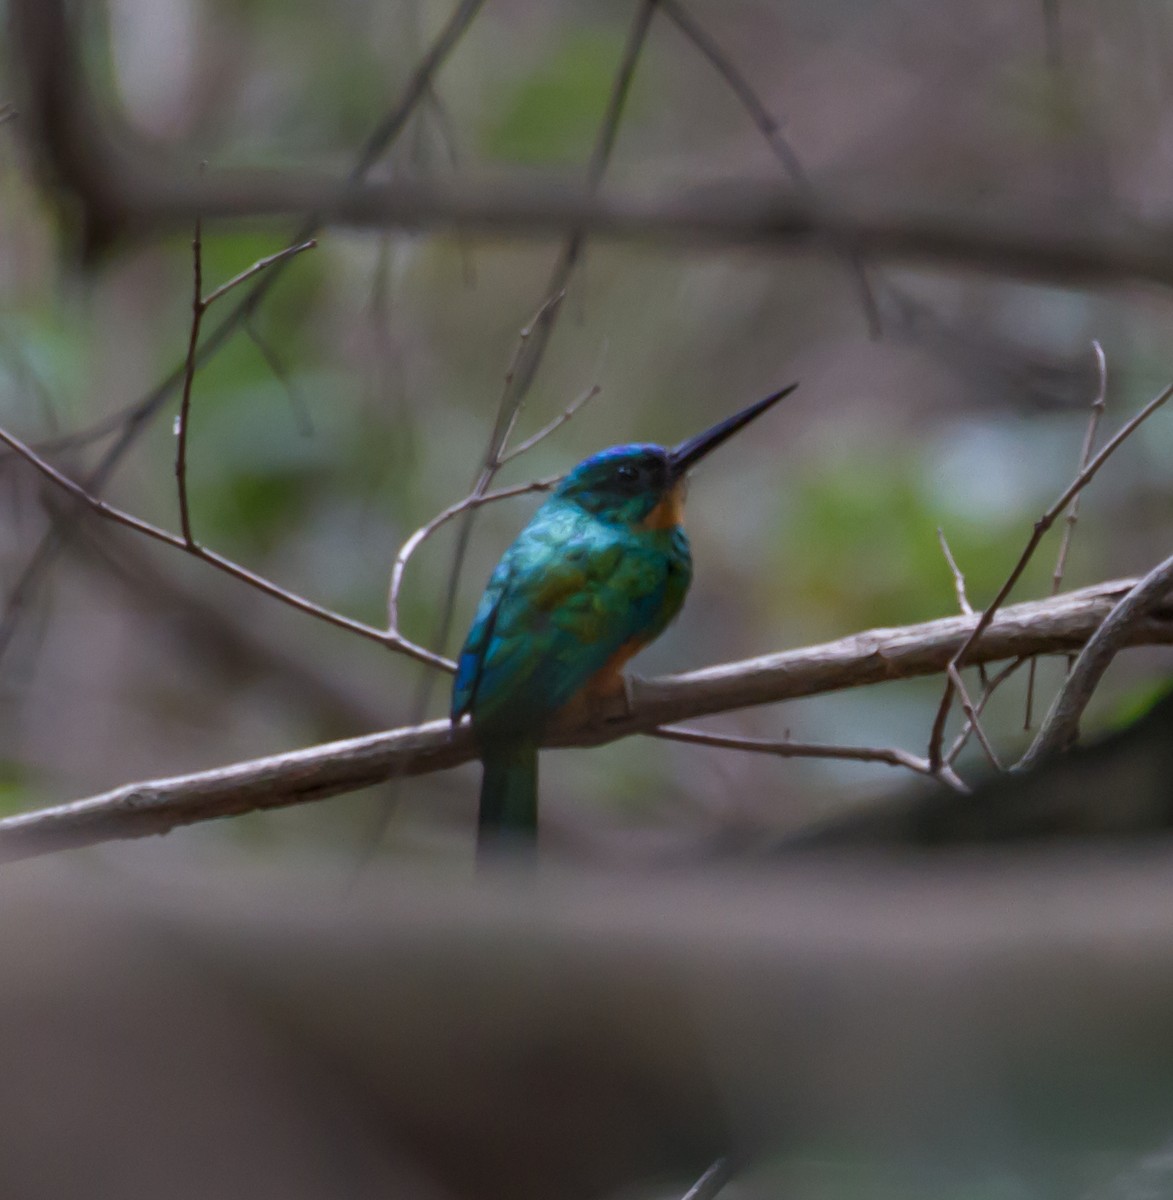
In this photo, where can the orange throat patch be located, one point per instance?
(669, 512)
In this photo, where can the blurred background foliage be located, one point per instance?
(358, 402)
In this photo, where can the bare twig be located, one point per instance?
(189, 370)
(771, 130)
(216, 629)
(889, 755)
(1054, 625)
(959, 588)
(1044, 523)
(448, 139)
(991, 686)
(45, 33)
(532, 347)
(424, 532)
(972, 717)
(766, 123)
(712, 1182)
(29, 378)
(519, 375)
(1061, 728)
(447, 130)
(199, 306)
(1085, 453)
(303, 422)
(550, 427)
(262, 264)
(958, 579)
(535, 337)
(389, 638)
(417, 89)
(88, 435)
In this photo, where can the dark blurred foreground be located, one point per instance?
(841, 1024)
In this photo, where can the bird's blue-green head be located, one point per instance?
(643, 484)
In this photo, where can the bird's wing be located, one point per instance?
(472, 655)
(566, 596)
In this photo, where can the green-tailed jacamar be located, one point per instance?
(597, 574)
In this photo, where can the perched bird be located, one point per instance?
(597, 574)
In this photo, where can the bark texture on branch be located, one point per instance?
(1053, 626)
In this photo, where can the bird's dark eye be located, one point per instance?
(627, 472)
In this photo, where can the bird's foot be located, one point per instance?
(604, 703)
(616, 704)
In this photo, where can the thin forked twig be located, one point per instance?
(958, 579)
(531, 341)
(443, 121)
(766, 123)
(1085, 453)
(890, 755)
(199, 306)
(550, 427)
(962, 595)
(475, 500)
(80, 438)
(384, 637)
(262, 264)
(991, 686)
(1044, 523)
(1061, 728)
(136, 418)
(189, 370)
(302, 420)
(532, 348)
(972, 714)
(424, 532)
(771, 130)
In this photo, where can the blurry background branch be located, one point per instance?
(124, 190)
(143, 196)
(64, 116)
(1051, 626)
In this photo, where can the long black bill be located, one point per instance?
(688, 453)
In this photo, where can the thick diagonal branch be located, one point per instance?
(1061, 727)
(1054, 626)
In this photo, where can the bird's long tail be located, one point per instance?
(509, 796)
